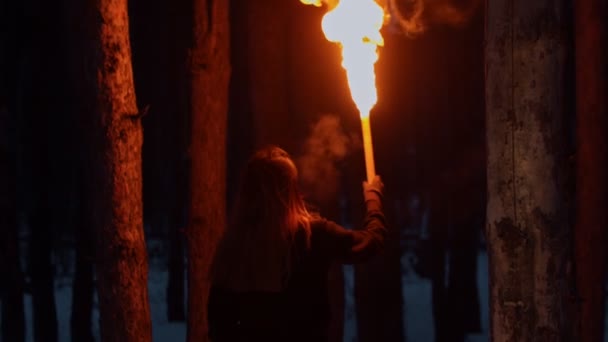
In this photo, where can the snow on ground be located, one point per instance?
(416, 295)
(416, 299)
(417, 304)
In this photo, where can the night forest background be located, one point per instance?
(286, 87)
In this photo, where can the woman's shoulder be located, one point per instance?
(318, 223)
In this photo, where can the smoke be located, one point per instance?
(414, 16)
(327, 145)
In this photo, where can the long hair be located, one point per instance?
(255, 253)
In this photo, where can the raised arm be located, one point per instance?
(354, 246)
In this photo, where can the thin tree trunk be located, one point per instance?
(591, 234)
(83, 286)
(115, 135)
(527, 224)
(39, 104)
(12, 325)
(208, 75)
(40, 267)
(11, 287)
(176, 310)
(175, 286)
(378, 295)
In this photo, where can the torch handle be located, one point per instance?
(368, 149)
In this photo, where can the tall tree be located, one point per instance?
(179, 172)
(209, 73)
(591, 234)
(40, 104)
(115, 142)
(83, 286)
(527, 224)
(12, 325)
(11, 287)
(456, 177)
(158, 34)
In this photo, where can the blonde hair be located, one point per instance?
(255, 253)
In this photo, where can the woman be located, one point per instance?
(269, 275)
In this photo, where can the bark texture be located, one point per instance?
(209, 72)
(591, 234)
(527, 224)
(116, 137)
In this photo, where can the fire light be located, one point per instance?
(355, 25)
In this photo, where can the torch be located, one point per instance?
(355, 25)
(368, 148)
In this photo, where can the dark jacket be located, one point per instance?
(301, 311)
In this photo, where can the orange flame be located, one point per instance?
(316, 3)
(355, 25)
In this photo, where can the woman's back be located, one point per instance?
(270, 270)
(301, 311)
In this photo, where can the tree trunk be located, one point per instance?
(11, 287)
(378, 288)
(268, 40)
(115, 139)
(527, 214)
(12, 325)
(175, 286)
(40, 244)
(83, 287)
(39, 108)
(591, 233)
(180, 171)
(209, 72)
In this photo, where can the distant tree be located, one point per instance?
(12, 325)
(179, 117)
(378, 287)
(40, 104)
(378, 295)
(83, 286)
(209, 73)
(115, 136)
(11, 286)
(81, 187)
(591, 232)
(528, 230)
(456, 178)
(159, 40)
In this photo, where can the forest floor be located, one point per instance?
(416, 295)
(416, 299)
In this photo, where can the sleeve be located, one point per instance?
(355, 246)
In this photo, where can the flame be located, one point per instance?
(355, 25)
(316, 3)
